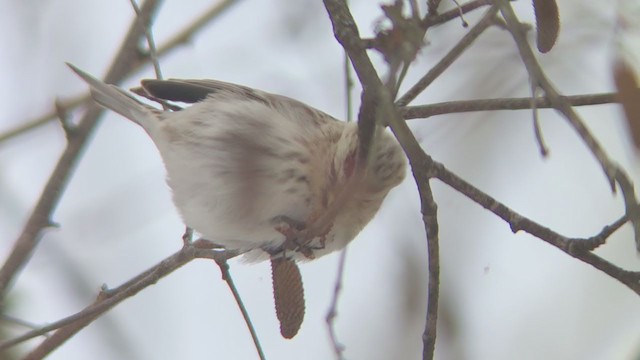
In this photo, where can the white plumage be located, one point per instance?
(247, 167)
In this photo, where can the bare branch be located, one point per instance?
(448, 59)
(612, 171)
(46, 118)
(347, 34)
(517, 222)
(537, 130)
(425, 111)
(109, 298)
(422, 173)
(433, 18)
(226, 276)
(20, 322)
(377, 96)
(338, 348)
(429, 210)
(146, 24)
(593, 242)
(40, 217)
(348, 87)
(187, 34)
(432, 6)
(181, 38)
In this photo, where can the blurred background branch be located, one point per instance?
(377, 107)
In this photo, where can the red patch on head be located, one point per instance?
(350, 164)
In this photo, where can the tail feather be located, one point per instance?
(116, 99)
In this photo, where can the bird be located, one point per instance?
(260, 173)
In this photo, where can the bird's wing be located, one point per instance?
(194, 91)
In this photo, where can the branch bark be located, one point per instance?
(109, 298)
(448, 59)
(377, 100)
(450, 107)
(614, 173)
(181, 38)
(41, 216)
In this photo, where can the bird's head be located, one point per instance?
(380, 171)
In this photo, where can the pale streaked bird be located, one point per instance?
(258, 172)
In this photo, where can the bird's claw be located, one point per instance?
(297, 237)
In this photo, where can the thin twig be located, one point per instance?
(377, 101)
(595, 241)
(422, 173)
(109, 298)
(544, 151)
(403, 74)
(537, 74)
(517, 222)
(226, 276)
(346, 32)
(612, 171)
(415, 9)
(425, 111)
(128, 55)
(338, 348)
(20, 322)
(153, 55)
(64, 119)
(41, 216)
(461, 14)
(181, 38)
(433, 18)
(186, 34)
(348, 87)
(187, 237)
(429, 210)
(44, 119)
(449, 58)
(432, 6)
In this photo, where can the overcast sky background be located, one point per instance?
(504, 296)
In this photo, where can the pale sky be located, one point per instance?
(503, 296)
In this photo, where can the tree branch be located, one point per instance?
(41, 216)
(330, 318)
(613, 172)
(449, 107)
(433, 18)
(375, 94)
(429, 210)
(151, 43)
(179, 39)
(422, 173)
(109, 298)
(448, 59)
(226, 276)
(517, 222)
(29, 125)
(347, 34)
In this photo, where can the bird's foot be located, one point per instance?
(297, 236)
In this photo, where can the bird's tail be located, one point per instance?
(116, 99)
